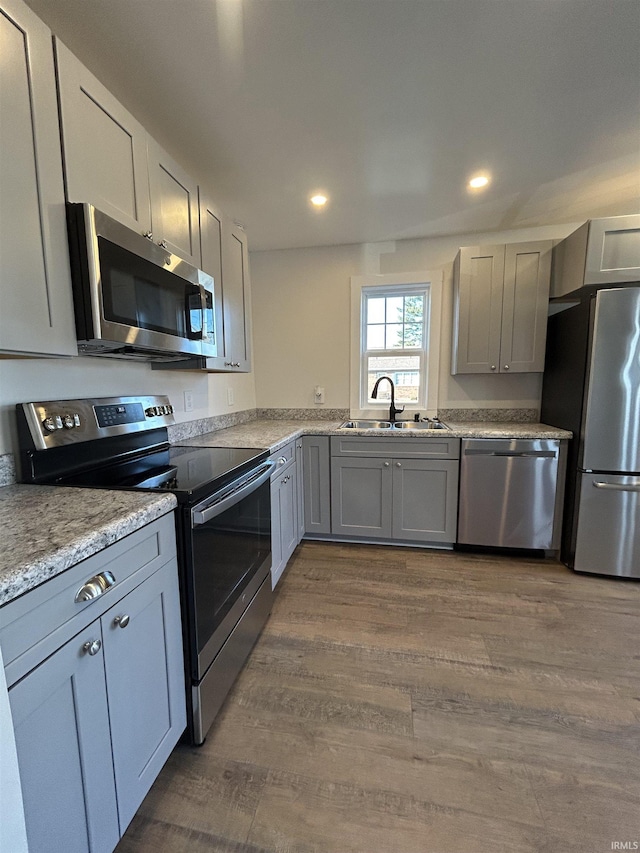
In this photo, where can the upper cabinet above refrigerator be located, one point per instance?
(601, 252)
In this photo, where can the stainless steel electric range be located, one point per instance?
(223, 520)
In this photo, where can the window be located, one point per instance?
(395, 333)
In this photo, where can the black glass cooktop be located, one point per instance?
(188, 472)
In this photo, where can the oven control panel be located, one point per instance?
(54, 423)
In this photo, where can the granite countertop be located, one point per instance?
(47, 529)
(274, 434)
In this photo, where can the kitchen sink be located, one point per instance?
(365, 425)
(420, 425)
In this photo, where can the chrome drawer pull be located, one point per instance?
(94, 587)
(121, 621)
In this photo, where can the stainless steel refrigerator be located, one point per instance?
(591, 386)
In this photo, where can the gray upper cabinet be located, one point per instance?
(600, 252)
(237, 298)
(111, 161)
(105, 148)
(174, 205)
(36, 308)
(501, 296)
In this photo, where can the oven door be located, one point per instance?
(231, 557)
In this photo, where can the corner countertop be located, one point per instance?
(274, 434)
(47, 529)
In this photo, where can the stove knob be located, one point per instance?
(68, 422)
(76, 420)
(58, 421)
(170, 410)
(150, 412)
(49, 424)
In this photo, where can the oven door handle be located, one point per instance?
(229, 496)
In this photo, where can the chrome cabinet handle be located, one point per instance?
(493, 367)
(92, 647)
(162, 244)
(94, 587)
(148, 235)
(617, 487)
(282, 461)
(121, 621)
(386, 464)
(506, 367)
(398, 464)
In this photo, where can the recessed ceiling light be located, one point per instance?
(478, 182)
(319, 200)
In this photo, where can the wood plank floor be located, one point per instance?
(410, 701)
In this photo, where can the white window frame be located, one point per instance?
(432, 284)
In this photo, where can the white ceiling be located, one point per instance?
(387, 105)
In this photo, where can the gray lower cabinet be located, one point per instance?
(63, 741)
(299, 490)
(102, 702)
(425, 500)
(316, 479)
(284, 510)
(399, 489)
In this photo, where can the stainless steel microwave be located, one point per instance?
(132, 298)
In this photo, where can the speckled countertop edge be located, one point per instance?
(273, 435)
(47, 529)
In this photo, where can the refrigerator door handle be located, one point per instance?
(618, 487)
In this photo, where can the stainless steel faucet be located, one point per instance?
(392, 408)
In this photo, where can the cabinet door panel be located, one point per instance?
(235, 270)
(479, 275)
(36, 311)
(284, 528)
(145, 685)
(174, 205)
(104, 147)
(299, 491)
(316, 479)
(361, 497)
(64, 752)
(425, 499)
(527, 273)
(211, 253)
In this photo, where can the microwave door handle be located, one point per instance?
(203, 311)
(194, 334)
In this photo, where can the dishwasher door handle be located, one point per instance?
(523, 454)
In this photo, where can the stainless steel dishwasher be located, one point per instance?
(509, 493)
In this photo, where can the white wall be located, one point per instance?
(60, 379)
(301, 310)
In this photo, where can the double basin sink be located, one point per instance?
(419, 425)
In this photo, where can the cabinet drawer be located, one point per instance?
(41, 621)
(283, 458)
(431, 447)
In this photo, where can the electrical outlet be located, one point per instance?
(188, 401)
(318, 394)
(231, 397)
